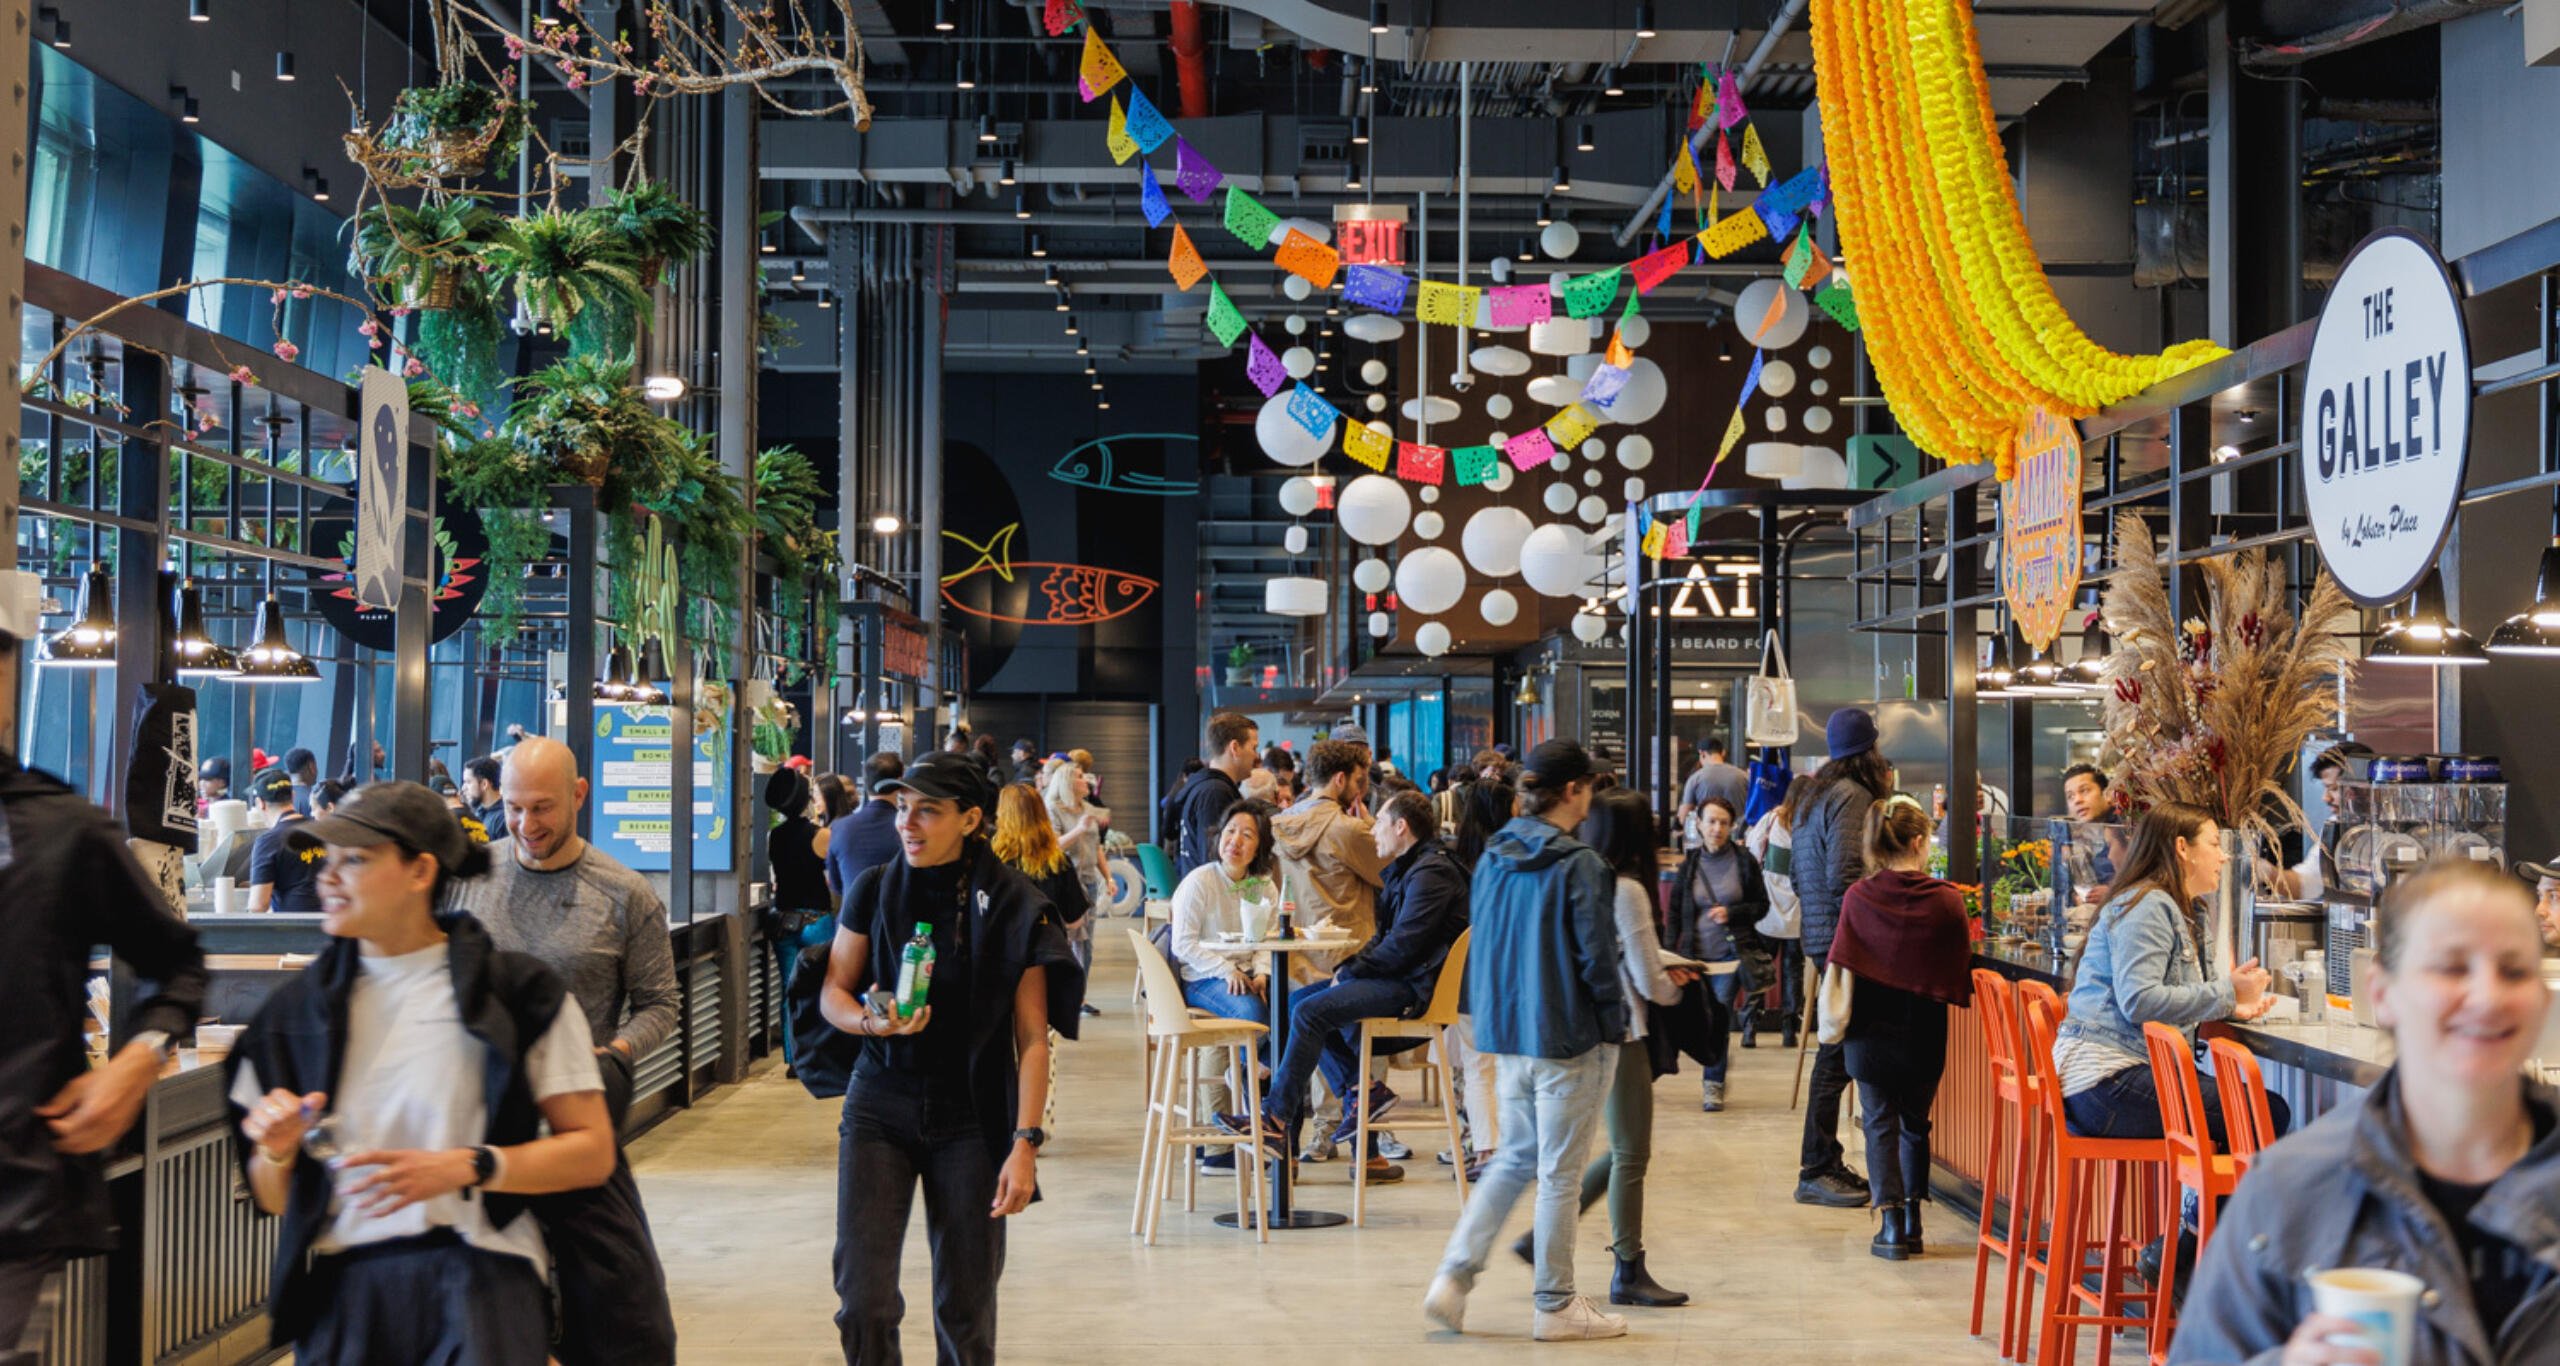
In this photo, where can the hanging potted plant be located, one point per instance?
(427, 257)
(454, 129)
(1240, 665)
(581, 421)
(664, 231)
(787, 496)
(576, 273)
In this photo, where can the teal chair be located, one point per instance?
(1158, 871)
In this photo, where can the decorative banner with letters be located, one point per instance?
(2040, 528)
(2386, 417)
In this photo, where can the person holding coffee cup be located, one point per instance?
(2413, 1228)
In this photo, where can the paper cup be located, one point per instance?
(2383, 1303)
(226, 895)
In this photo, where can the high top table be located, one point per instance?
(1276, 1000)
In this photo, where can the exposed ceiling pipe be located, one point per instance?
(1191, 59)
(1742, 81)
(1460, 379)
(2403, 16)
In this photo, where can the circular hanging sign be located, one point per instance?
(2386, 417)
(460, 546)
(2040, 528)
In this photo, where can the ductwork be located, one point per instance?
(2341, 26)
(1191, 59)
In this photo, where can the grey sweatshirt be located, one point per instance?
(596, 923)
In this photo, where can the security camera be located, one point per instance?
(1462, 381)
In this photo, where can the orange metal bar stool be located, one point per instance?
(2194, 1165)
(2011, 1115)
(2104, 1192)
(2245, 1118)
(2031, 1214)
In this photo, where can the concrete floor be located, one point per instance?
(741, 1191)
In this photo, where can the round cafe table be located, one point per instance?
(1276, 1000)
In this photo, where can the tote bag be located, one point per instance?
(1770, 707)
(1831, 1003)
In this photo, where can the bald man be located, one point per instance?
(601, 927)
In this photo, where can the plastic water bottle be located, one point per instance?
(915, 972)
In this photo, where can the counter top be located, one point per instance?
(2029, 962)
(2340, 1050)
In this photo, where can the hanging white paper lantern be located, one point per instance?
(1591, 478)
(1823, 469)
(1295, 540)
(1298, 360)
(1774, 418)
(1371, 575)
(1500, 268)
(1817, 420)
(1428, 525)
(1819, 388)
(1588, 627)
(1556, 560)
(1381, 625)
(1373, 327)
(1497, 438)
(1498, 407)
(1818, 357)
(1559, 337)
(1293, 596)
(1501, 361)
(1635, 331)
(1491, 540)
(1428, 493)
(1371, 371)
(1432, 639)
(1752, 318)
(1777, 379)
(1579, 368)
(1376, 403)
(1498, 607)
(1772, 459)
(1373, 509)
(1430, 580)
(1555, 391)
(1635, 452)
(1503, 477)
(1432, 409)
(1297, 495)
(1560, 241)
(1296, 287)
(1317, 228)
(1595, 449)
(1284, 440)
(1296, 325)
(1593, 509)
(1559, 498)
(1634, 489)
(1642, 398)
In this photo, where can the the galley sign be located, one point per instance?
(2386, 417)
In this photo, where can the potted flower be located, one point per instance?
(663, 230)
(576, 272)
(1240, 665)
(454, 129)
(427, 257)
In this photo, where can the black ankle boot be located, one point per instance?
(1911, 1224)
(1634, 1285)
(1892, 1242)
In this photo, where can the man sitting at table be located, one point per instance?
(1421, 911)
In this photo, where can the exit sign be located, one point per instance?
(1370, 234)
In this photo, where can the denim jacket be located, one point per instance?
(2141, 964)
(2342, 1193)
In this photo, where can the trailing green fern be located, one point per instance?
(788, 492)
(664, 231)
(578, 272)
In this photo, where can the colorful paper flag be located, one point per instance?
(1367, 444)
(1751, 379)
(1732, 434)
(1652, 544)
(1147, 125)
(1420, 464)
(1675, 541)
(1447, 305)
(1684, 170)
(1060, 15)
(1530, 449)
(1099, 70)
(1729, 110)
(1226, 321)
(1308, 259)
(1520, 305)
(1376, 288)
(1654, 267)
(1793, 195)
(1249, 221)
(1778, 225)
(1606, 380)
(1835, 299)
(1724, 161)
(1806, 265)
(1572, 425)
(1589, 296)
(1698, 102)
(1262, 366)
(1185, 263)
(1619, 353)
(1755, 158)
(1310, 410)
(1151, 197)
(1474, 465)
(1734, 232)
(1117, 138)
(1192, 173)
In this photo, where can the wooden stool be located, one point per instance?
(2245, 1118)
(2012, 1122)
(2194, 1165)
(1439, 1019)
(1171, 1130)
(2110, 1183)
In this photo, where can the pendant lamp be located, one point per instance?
(651, 666)
(199, 655)
(89, 642)
(2426, 635)
(613, 685)
(2536, 629)
(273, 659)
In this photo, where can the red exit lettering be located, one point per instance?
(1372, 242)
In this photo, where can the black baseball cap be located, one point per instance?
(401, 813)
(1558, 763)
(215, 767)
(2535, 872)
(272, 784)
(950, 777)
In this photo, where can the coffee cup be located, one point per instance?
(226, 895)
(2383, 1304)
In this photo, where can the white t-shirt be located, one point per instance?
(414, 1078)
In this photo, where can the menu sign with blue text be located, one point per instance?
(635, 772)
(2386, 417)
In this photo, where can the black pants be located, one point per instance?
(1897, 1065)
(23, 1302)
(432, 1300)
(900, 1130)
(1822, 1150)
(613, 1292)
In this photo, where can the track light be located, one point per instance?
(1104, 405)
(273, 659)
(1546, 212)
(1369, 76)
(1563, 182)
(49, 18)
(1021, 208)
(1359, 132)
(1063, 305)
(1611, 86)
(185, 103)
(1584, 140)
(1644, 20)
(942, 16)
(1351, 177)
(799, 271)
(315, 184)
(1082, 349)
(89, 642)
(201, 11)
(1378, 17)
(1524, 251)
(824, 300)
(1071, 324)
(284, 64)
(765, 245)
(986, 128)
(1992, 683)
(962, 76)
(1004, 176)
(1039, 249)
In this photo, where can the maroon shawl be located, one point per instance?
(1908, 931)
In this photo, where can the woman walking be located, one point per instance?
(1025, 842)
(947, 1096)
(1715, 907)
(1830, 856)
(1904, 938)
(1079, 824)
(1772, 842)
(401, 1099)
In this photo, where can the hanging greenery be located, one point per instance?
(455, 129)
(664, 231)
(584, 423)
(578, 273)
(787, 496)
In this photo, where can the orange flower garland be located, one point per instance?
(1963, 328)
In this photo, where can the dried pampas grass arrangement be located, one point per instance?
(2213, 712)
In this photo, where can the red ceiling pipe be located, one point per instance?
(1191, 59)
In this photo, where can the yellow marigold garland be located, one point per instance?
(1963, 328)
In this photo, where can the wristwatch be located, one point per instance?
(484, 1165)
(1035, 1135)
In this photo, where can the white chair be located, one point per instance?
(1172, 1130)
(1439, 1021)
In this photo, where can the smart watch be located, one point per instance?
(1035, 1135)
(484, 1165)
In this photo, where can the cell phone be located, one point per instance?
(882, 1002)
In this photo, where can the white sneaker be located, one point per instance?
(1577, 1322)
(1318, 1149)
(1445, 1304)
(1393, 1151)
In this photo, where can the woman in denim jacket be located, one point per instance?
(2143, 963)
(2448, 1169)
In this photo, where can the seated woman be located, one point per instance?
(2447, 1169)
(2142, 963)
(1210, 902)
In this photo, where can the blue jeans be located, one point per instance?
(1550, 1111)
(2127, 1105)
(1321, 1036)
(1211, 994)
(1726, 986)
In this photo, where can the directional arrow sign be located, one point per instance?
(1882, 462)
